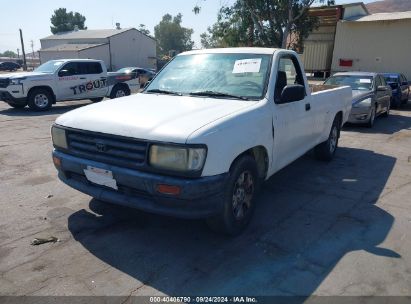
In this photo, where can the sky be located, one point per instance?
(33, 16)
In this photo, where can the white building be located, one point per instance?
(118, 48)
(375, 43)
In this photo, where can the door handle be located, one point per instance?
(307, 107)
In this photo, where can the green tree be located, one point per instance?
(9, 54)
(263, 23)
(170, 35)
(63, 21)
(142, 28)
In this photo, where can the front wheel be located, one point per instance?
(326, 150)
(238, 199)
(371, 121)
(387, 110)
(40, 99)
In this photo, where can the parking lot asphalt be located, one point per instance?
(337, 228)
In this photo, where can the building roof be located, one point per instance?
(72, 47)
(87, 34)
(383, 17)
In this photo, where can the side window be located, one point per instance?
(289, 73)
(94, 68)
(403, 78)
(382, 79)
(377, 81)
(69, 69)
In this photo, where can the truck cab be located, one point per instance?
(202, 136)
(62, 80)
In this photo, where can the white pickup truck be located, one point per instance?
(65, 79)
(202, 136)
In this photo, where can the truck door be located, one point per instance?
(71, 83)
(383, 97)
(292, 121)
(96, 85)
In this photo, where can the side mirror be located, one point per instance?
(382, 88)
(63, 73)
(292, 93)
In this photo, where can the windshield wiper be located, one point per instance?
(164, 92)
(217, 94)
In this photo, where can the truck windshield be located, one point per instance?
(242, 76)
(49, 66)
(356, 82)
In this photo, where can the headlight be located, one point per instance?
(59, 137)
(366, 103)
(177, 158)
(16, 80)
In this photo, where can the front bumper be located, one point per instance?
(359, 115)
(199, 198)
(15, 95)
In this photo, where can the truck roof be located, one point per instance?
(356, 74)
(77, 59)
(237, 50)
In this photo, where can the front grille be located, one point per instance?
(4, 82)
(109, 149)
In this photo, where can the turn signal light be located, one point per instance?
(168, 189)
(56, 161)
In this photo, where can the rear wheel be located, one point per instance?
(326, 150)
(238, 199)
(40, 99)
(119, 91)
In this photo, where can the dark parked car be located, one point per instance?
(144, 75)
(371, 95)
(9, 66)
(400, 88)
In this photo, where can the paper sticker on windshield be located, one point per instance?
(365, 80)
(247, 66)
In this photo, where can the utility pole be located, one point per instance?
(18, 53)
(32, 48)
(22, 50)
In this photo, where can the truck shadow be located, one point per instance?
(55, 110)
(384, 125)
(310, 215)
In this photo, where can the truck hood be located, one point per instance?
(23, 74)
(358, 95)
(151, 116)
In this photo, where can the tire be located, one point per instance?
(18, 105)
(40, 99)
(241, 188)
(325, 151)
(97, 99)
(119, 91)
(387, 111)
(371, 121)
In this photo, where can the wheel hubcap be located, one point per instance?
(120, 93)
(333, 139)
(41, 100)
(242, 195)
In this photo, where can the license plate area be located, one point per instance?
(101, 177)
